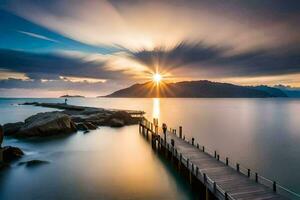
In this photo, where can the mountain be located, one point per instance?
(289, 91)
(197, 89)
(275, 92)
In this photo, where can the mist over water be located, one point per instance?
(262, 134)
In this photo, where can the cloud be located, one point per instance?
(37, 36)
(138, 24)
(64, 70)
(6, 74)
(81, 80)
(51, 65)
(217, 61)
(54, 88)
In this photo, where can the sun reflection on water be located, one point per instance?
(156, 108)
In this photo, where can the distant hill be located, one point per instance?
(71, 96)
(289, 91)
(275, 92)
(197, 89)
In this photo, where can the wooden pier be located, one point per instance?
(215, 177)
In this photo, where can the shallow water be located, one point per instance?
(262, 134)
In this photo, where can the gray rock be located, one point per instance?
(99, 122)
(81, 127)
(1, 135)
(4, 165)
(123, 116)
(11, 153)
(89, 118)
(12, 128)
(47, 124)
(33, 163)
(90, 126)
(114, 122)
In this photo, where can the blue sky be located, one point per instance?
(13, 36)
(50, 48)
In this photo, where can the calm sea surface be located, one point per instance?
(261, 134)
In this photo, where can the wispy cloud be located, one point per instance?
(38, 36)
(147, 24)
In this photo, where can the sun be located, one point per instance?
(157, 78)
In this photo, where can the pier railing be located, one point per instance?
(209, 183)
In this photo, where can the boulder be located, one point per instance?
(11, 153)
(81, 127)
(12, 128)
(47, 124)
(114, 122)
(99, 122)
(89, 118)
(1, 135)
(4, 166)
(90, 126)
(122, 115)
(33, 163)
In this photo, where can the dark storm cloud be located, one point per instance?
(218, 61)
(51, 66)
(50, 85)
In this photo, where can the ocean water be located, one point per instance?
(261, 134)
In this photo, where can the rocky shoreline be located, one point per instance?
(69, 119)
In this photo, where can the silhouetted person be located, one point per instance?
(1, 135)
(66, 100)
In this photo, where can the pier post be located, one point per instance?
(256, 177)
(1, 155)
(191, 175)
(167, 149)
(248, 173)
(173, 145)
(164, 127)
(226, 196)
(140, 127)
(215, 154)
(179, 163)
(274, 186)
(180, 132)
(1, 140)
(207, 196)
(193, 139)
(215, 187)
(147, 132)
